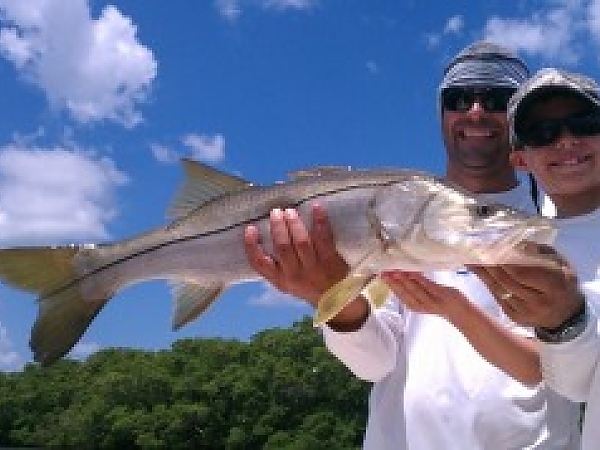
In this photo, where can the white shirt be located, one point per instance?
(432, 390)
(572, 367)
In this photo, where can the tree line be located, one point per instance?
(280, 390)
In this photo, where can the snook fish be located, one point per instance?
(382, 219)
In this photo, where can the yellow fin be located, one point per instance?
(338, 296)
(377, 292)
(64, 312)
(202, 184)
(191, 300)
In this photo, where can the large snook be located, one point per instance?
(382, 219)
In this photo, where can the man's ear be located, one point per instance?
(517, 158)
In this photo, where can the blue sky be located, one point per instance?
(99, 101)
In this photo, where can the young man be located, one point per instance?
(431, 388)
(555, 126)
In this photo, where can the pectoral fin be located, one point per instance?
(377, 292)
(338, 296)
(191, 300)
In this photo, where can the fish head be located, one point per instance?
(440, 227)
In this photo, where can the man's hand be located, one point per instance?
(304, 264)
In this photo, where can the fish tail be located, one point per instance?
(65, 312)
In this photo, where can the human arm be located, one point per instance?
(305, 263)
(515, 354)
(548, 298)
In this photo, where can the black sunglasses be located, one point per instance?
(548, 131)
(462, 99)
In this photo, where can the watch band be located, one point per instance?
(567, 331)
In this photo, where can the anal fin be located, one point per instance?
(191, 300)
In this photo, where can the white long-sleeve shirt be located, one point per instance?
(432, 390)
(572, 368)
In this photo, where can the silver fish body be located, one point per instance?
(382, 219)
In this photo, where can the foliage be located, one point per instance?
(281, 390)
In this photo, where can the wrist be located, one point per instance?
(572, 327)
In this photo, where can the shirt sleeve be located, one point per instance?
(371, 351)
(569, 367)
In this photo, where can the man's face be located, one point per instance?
(570, 163)
(476, 137)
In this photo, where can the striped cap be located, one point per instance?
(484, 64)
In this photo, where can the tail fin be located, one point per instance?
(64, 314)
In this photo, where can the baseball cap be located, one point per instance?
(548, 81)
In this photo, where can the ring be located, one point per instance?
(506, 296)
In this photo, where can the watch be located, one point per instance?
(567, 331)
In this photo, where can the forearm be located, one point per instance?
(370, 351)
(516, 355)
(570, 367)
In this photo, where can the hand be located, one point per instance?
(422, 295)
(538, 296)
(304, 264)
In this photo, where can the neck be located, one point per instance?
(571, 205)
(484, 183)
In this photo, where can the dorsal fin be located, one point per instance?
(202, 183)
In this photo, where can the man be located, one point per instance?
(431, 389)
(555, 126)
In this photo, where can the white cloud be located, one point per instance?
(549, 35)
(82, 350)
(285, 4)
(164, 154)
(204, 147)
(55, 195)
(229, 9)
(95, 69)
(10, 360)
(372, 67)
(232, 9)
(560, 34)
(454, 25)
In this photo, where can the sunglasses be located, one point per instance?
(548, 131)
(462, 99)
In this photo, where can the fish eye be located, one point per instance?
(484, 210)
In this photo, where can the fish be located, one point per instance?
(382, 219)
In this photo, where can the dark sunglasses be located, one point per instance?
(462, 99)
(548, 131)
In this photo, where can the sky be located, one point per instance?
(100, 100)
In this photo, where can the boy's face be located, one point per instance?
(569, 165)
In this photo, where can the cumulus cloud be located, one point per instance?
(95, 69)
(199, 146)
(560, 33)
(550, 34)
(55, 195)
(232, 9)
(204, 147)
